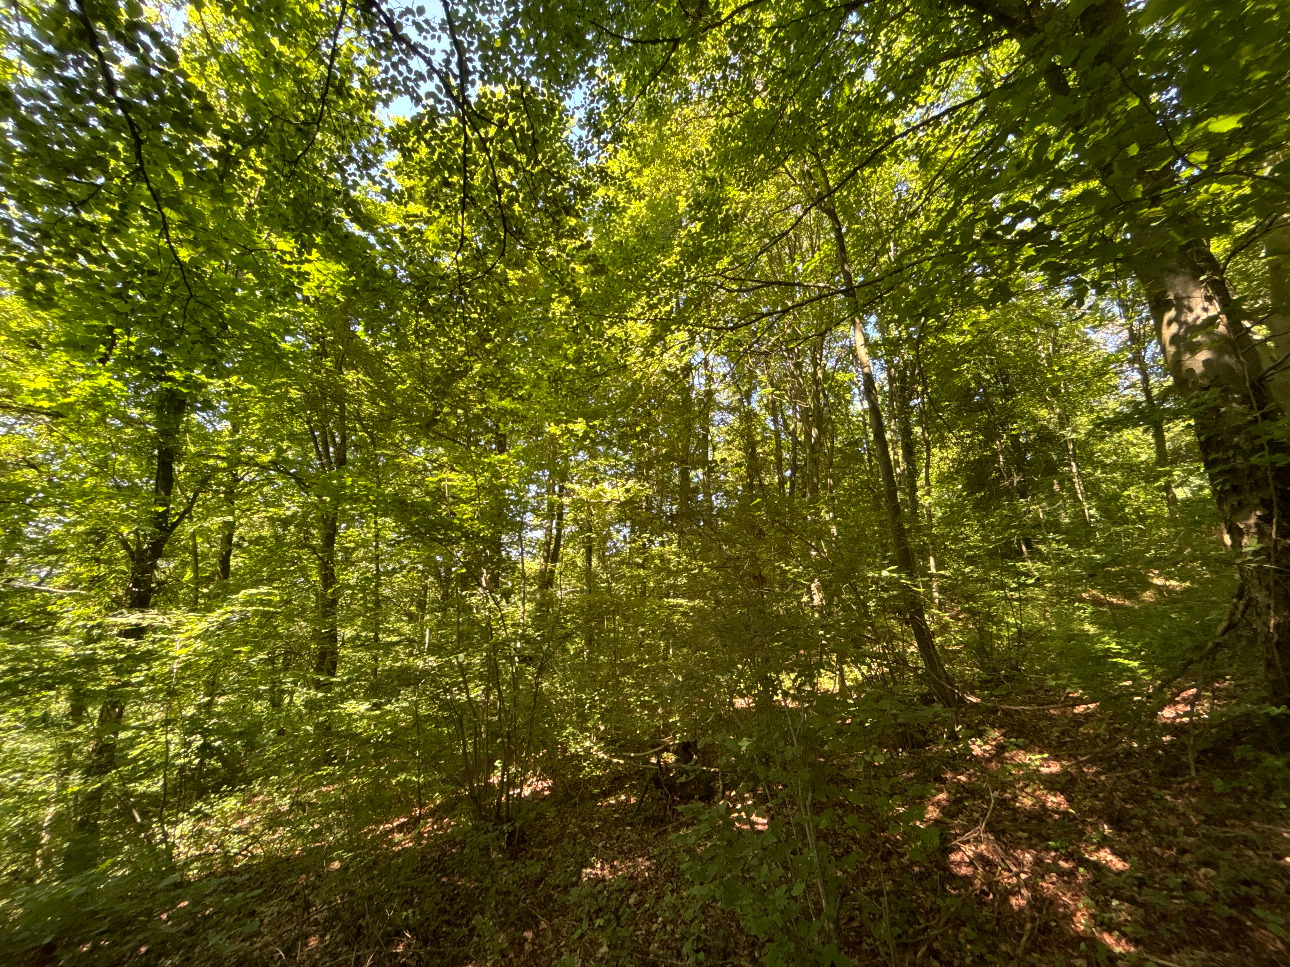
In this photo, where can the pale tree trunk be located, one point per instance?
(1210, 352)
(589, 594)
(1276, 253)
(493, 515)
(754, 486)
(901, 392)
(1216, 366)
(1068, 434)
(930, 540)
(195, 549)
(778, 430)
(685, 448)
(378, 602)
(705, 440)
(1077, 480)
(331, 448)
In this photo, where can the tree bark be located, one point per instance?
(1160, 444)
(197, 571)
(1276, 254)
(778, 429)
(1216, 366)
(328, 426)
(227, 529)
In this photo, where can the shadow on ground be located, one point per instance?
(1065, 836)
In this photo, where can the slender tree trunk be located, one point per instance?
(705, 440)
(934, 580)
(1077, 481)
(684, 447)
(810, 385)
(197, 574)
(912, 603)
(752, 458)
(328, 427)
(83, 849)
(924, 428)
(378, 603)
(227, 528)
(552, 544)
(589, 593)
(490, 575)
(327, 632)
(777, 426)
(902, 391)
(1068, 435)
(1159, 442)
(145, 555)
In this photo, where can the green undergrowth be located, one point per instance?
(862, 830)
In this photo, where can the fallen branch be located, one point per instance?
(980, 827)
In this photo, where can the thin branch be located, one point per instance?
(331, 69)
(653, 41)
(136, 136)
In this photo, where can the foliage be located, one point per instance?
(414, 419)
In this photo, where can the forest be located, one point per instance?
(644, 482)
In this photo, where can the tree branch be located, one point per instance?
(331, 68)
(136, 136)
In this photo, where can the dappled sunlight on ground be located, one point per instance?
(1048, 834)
(638, 867)
(1089, 840)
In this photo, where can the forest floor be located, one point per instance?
(1066, 836)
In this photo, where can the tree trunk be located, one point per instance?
(705, 442)
(589, 594)
(1077, 480)
(83, 848)
(912, 599)
(227, 529)
(684, 447)
(902, 387)
(777, 426)
(552, 540)
(329, 432)
(327, 647)
(197, 573)
(1210, 352)
(145, 555)
(378, 603)
(1276, 254)
(1216, 367)
(1159, 442)
(754, 485)
(930, 533)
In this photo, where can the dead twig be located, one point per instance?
(980, 827)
